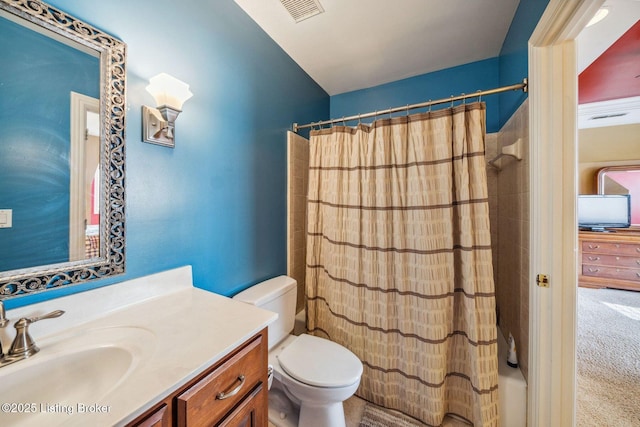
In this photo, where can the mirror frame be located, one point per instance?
(112, 53)
(600, 183)
(602, 172)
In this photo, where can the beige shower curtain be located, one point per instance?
(399, 260)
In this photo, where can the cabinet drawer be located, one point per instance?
(632, 274)
(610, 248)
(611, 260)
(213, 396)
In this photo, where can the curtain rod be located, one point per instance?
(519, 86)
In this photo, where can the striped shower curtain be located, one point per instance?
(399, 260)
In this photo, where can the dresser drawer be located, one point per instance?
(632, 274)
(217, 393)
(611, 260)
(610, 248)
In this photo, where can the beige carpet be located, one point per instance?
(608, 358)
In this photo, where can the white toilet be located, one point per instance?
(312, 376)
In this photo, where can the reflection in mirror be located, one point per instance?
(84, 212)
(62, 94)
(41, 77)
(622, 180)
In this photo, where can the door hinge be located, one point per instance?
(542, 280)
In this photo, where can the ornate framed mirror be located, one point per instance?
(62, 150)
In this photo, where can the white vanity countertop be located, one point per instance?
(183, 330)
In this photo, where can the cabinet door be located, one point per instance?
(158, 418)
(252, 412)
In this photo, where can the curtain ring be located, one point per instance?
(375, 115)
(451, 101)
(407, 110)
(479, 95)
(390, 112)
(359, 122)
(430, 104)
(464, 99)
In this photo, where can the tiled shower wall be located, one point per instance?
(297, 182)
(510, 215)
(491, 150)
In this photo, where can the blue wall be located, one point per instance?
(436, 85)
(36, 77)
(514, 56)
(218, 200)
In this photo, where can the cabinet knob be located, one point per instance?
(598, 246)
(596, 258)
(594, 270)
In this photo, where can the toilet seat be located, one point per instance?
(319, 362)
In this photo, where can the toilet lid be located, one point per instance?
(319, 362)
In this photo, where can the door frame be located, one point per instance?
(553, 104)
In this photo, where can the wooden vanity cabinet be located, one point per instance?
(159, 417)
(233, 392)
(610, 260)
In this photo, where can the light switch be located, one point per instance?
(6, 218)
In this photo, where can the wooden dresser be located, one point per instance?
(610, 260)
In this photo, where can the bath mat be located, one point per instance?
(375, 416)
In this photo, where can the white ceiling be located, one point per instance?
(592, 42)
(357, 44)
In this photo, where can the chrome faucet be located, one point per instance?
(23, 345)
(3, 317)
(3, 322)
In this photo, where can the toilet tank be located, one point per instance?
(277, 295)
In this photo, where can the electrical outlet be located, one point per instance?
(6, 218)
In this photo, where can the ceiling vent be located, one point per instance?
(608, 116)
(302, 9)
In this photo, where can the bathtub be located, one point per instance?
(512, 388)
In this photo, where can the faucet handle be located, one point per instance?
(23, 345)
(51, 315)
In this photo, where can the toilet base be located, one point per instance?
(322, 416)
(282, 412)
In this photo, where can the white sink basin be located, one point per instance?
(71, 374)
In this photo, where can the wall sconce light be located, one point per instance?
(158, 124)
